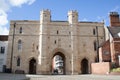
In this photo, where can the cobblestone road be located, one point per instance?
(58, 77)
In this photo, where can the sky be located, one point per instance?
(88, 10)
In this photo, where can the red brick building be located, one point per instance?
(104, 52)
(109, 51)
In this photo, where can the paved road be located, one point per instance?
(75, 77)
(4, 76)
(58, 77)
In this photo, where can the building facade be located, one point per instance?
(105, 52)
(32, 45)
(3, 51)
(110, 50)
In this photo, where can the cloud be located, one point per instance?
(115, 8)
(100, 18)
(31, 2)
(5, 7)
(105, 17)
(3, 22)
(4, 30)
(3, 18)
(19, 3)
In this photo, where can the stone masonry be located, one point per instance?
(41, 40)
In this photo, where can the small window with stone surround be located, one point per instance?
(55, 42)
(37, 47)
(94, 32)
(20, 31)
(57, 32)
(33, 47)
(69, 33)
(95, 46)
(18, 61)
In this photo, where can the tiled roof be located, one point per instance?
(115, 31)
(3, 37)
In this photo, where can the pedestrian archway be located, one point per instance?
(32, 66)
(84, 66)
(58, 63)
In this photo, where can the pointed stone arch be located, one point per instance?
(32, 66)
(58, 63)
(60, 52)
(84, 66)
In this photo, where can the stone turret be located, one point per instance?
(72, 17)
(45, 16)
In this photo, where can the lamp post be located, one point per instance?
(12, 47)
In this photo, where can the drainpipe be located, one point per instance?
(97, 44)
(12, 47)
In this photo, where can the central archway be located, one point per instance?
(58, 63)
(84, 66)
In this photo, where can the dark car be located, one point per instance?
(55, 71)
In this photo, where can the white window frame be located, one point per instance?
(119, 59)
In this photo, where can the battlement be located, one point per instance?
(73, 12)
(47, 11)
(45, 16)
(72, 16)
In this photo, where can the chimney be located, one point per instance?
(114, 19)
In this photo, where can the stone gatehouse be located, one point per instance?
(32, 45)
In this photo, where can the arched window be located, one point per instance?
(18, 61)
(20, 31)
(19, 45)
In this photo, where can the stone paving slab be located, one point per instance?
(4, 76)
(76, 77)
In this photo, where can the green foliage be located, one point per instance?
(115, 70)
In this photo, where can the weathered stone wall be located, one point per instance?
(29, 36)
(75, 40)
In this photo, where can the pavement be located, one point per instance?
(4, 76)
